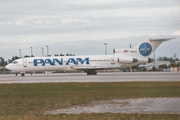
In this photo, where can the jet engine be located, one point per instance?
(127, 60)
(120, 50)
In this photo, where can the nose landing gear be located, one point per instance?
(22, 74)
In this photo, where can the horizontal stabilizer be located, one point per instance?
(160, 39)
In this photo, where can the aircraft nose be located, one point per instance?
(7, 67)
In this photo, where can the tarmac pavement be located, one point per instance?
(82, 77)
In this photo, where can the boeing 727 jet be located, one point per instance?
(122, 58)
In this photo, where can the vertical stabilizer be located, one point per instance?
(149, 45)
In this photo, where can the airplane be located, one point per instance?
(122, 58)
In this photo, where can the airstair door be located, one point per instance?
(112, 60)
(25, 62)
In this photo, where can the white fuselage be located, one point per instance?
(66, 63)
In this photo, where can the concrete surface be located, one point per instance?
(82, 77)
(140, 105)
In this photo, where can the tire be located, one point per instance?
(22, 74)
(88, 73)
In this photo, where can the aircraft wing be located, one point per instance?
(96, 67)
(151, 65)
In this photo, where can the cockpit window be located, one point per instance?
(15, 62)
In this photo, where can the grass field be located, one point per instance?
(29, 101)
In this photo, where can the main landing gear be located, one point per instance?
(92, 72)
(22, 74)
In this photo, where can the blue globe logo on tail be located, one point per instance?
(145, 49)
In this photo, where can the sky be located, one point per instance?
(81, 27)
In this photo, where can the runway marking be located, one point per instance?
(9, 80)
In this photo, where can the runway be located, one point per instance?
(82, 77)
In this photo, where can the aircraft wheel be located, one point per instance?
(22, 74)
(91, 73)
(95, 73)
(88, 73)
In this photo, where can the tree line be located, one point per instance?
(168, 59)
(4, 63)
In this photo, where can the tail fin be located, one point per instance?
(149, 45)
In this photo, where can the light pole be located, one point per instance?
(47, 50)
(42, 52)
(20, 52)
(105, 48)
(31, 52)
(154, 57)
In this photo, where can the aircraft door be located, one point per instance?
(112, 60)
(25, 62)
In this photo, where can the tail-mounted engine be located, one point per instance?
(120, 50)
(127, 60)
